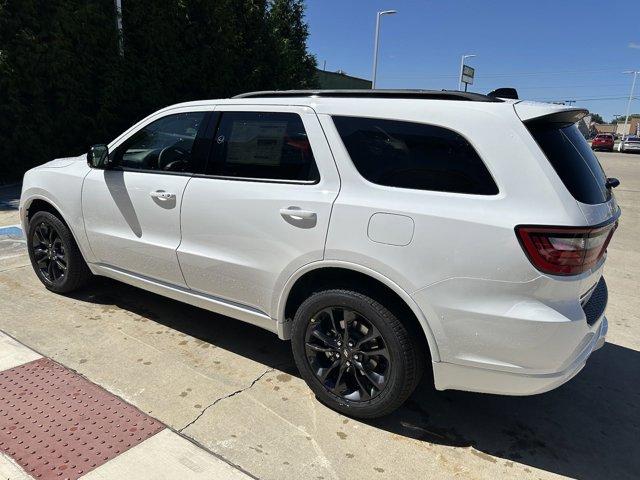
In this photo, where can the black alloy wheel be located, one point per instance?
(347, 354)
(54, 254)
(49, 252)
(355, 353)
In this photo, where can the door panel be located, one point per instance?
(132, 221)
(132, 210)
(243, 238)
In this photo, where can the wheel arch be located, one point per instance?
(329, 274)
(40, 203)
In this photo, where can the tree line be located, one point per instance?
(64, 84)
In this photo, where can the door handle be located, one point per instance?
(297, 213)
(162, 195)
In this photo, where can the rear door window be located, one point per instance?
(414, 155)
(263, 146)
(573, 160)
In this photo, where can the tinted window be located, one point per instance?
(573, 160)
(414, 155)
(262, 145)
(164, 145)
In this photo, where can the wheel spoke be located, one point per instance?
(364, 392)
(339, 382)
(377, 380)
(372, 334)
(39, 253)
(323, 372)
(334, 323)
(52, 235)
(61, 265)
(50, 270)
(327, 340)
(377, 352)
(348, 317)
(39, 235)
(319, 348)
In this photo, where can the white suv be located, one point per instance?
(379, 231)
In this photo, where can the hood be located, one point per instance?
(64, 162)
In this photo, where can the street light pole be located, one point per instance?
(461, 68)
(633, 86)
(119, 26)
(377, 43)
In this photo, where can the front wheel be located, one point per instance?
(54, 254)
(354, 353)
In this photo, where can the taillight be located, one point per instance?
(565, 250)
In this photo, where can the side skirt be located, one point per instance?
(201, 300)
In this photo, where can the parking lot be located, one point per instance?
(233, 389)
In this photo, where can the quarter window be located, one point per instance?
(263, 145)
(414, 155)
(164, 145)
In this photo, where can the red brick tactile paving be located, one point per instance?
(57, 424)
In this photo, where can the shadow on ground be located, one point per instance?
(588, 428)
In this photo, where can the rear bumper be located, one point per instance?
(461, 377)
(514, 338)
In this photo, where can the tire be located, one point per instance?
(50, 242)
(353, 392)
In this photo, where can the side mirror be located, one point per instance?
(612, 182)
(98, 156)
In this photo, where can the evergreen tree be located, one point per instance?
(292, 66)
(64, 85)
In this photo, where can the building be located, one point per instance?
(633, 127)
(605, 127)
(340, 80)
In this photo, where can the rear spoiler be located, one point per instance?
(533, 112)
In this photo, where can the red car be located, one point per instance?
(604, 141)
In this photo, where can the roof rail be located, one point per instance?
(377, 93)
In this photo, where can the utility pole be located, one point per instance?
(119, 27)
(633, 86)
(376, 44)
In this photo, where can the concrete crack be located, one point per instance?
(232, 394)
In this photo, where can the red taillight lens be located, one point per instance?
(565, 250)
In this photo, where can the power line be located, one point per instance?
(594, 99)
(512, 74)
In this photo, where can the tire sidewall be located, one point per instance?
(361, 304)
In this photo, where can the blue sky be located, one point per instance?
(548, 50)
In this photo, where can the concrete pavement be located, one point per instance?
(233, 388)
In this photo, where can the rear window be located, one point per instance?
(573, 160)
(414, 155)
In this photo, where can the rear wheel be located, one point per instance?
(54, 254)
(354, 353)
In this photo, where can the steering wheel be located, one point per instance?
(173, 159)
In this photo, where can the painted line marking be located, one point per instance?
(13, 230)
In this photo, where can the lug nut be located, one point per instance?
(350, 344)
